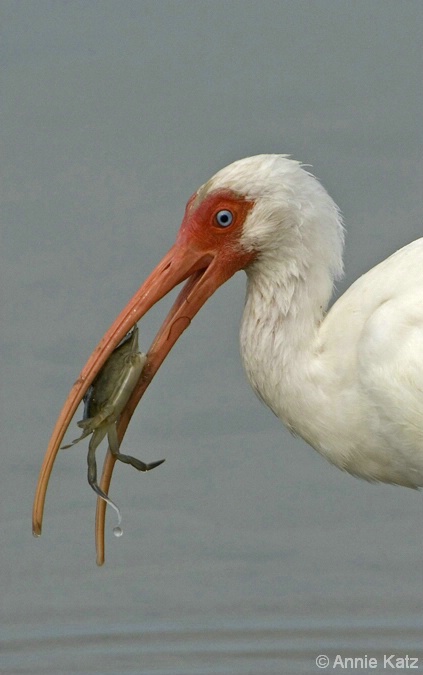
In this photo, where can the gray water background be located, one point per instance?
(245, 552)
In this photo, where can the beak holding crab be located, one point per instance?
(207, 253)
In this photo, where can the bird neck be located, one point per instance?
(284, 308)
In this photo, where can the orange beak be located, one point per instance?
(205, 261)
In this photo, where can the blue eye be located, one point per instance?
(224, 218)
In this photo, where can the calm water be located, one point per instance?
(245, 553)
(262, 586)
(232, 646)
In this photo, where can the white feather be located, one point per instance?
(350, 381)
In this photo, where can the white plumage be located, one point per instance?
(350, 381)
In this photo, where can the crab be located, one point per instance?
(104, 402)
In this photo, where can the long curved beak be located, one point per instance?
(204, 275)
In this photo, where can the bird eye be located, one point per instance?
(224, 218)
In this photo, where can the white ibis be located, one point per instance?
(349, 381)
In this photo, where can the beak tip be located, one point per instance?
(37, 526)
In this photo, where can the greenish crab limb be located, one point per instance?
(112, 437)
(95, 441)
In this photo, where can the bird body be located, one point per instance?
(350, 381)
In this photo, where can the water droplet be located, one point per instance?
(117, 531)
